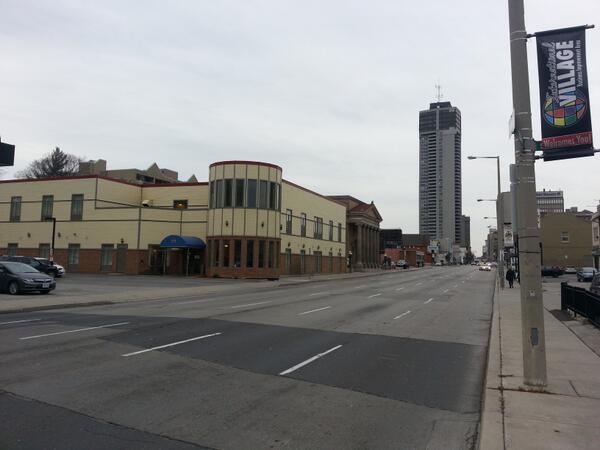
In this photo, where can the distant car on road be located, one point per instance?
(570, 269)
(16, 277)
(551, 271)
(586, 274)
(402, 264)
(595, 286)
(60, 270)
(40, 266)
(486, 267)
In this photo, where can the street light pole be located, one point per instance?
(532, 307)
(53, 219)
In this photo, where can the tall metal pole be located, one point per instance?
(500, 227)
(532, 308)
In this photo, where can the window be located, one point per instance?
(272, 195)
(15, 209)
(211, 198)
(226, 253)
(228, 193)
(339, 232)
(44, 251)
(318, 231)
(288, 260)
(331, 230)
(47, 206)
(237, 253)
(219, 194)
(106, 256)
(12, 249)
(261, 254)
(288, 221)
(271, 254)
(263, 194)
(180, 204)
(302, 261)
(564, 236)
(251, 194)
(303, 224)
(249, 253)
(77, 207)
(239, 192)
(216, 251)
(73, 256)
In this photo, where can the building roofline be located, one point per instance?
(311, 192)
(99, 177)
(252, 163)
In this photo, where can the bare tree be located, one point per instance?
(54, 164)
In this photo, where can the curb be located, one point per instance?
(362, 275)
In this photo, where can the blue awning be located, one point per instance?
(174, 241)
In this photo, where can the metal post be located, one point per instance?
(53, 219)
(532, 308)
(500, 226)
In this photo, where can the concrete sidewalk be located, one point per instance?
(36, 302)
(564, 415)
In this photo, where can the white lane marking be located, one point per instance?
(314, 310)
(309, 360)
(463, 281)
(374, 295)
(318, 293)
(74, 331)
(195, 301)
(250, 304)
(456, 285)
(418, 284)
(399, 289)
(446, 290)
(19, 321)
(361, 286)
(431, 299)
(171, 344)
(402, 315)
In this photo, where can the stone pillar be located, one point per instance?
(359, 246)
(370, 247)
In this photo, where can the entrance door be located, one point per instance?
(121, 257)
(302, 262)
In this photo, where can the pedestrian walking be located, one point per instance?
(510, 277)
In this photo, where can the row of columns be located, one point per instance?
(367, 246)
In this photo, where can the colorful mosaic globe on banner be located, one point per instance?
(567, 115)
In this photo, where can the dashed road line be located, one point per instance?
(314, 310)
(19, 321)
(318, 293)
(171, 344)
(309, 360)
(446, 290)
(418, 284)
(250, 304)
(402, 315)
(74, 331)
(374, 295)
(399, 289)
(431, 299)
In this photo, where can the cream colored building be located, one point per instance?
(247, 221)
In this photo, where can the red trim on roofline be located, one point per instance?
(312, 192)
(251, 163)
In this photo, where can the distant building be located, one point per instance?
(152, 175)
(390, 238)
(596, 238)
(414, 250)
(440, 186)
(550, 201)
(465, 232)
(566, 239)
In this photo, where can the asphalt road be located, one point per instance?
(389, 361)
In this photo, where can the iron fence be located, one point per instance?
(580, 301)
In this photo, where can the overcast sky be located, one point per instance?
(329, 90)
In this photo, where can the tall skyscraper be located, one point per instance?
(440, 186)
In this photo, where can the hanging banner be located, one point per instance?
(509, 239)
(7, 154)
(564, 97)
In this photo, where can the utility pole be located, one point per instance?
(532, 308)
(500, 222)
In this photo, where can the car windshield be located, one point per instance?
(16, 267)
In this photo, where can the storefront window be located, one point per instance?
(225, 253)
(261, 254)
(237, 253)
(249, 253)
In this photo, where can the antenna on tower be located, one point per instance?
(438, 88)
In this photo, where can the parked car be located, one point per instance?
(402, 264)
(17, 277)
(570, 269)
(595, 286)
(551, 271)
(60, 270)
(586, 274)
(46, 268)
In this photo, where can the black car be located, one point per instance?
(586, 274)
(551, 271)
(44, 266)
(17, 277)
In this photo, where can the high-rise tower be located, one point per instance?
(440, 187)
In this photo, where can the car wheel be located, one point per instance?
(13, 288)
